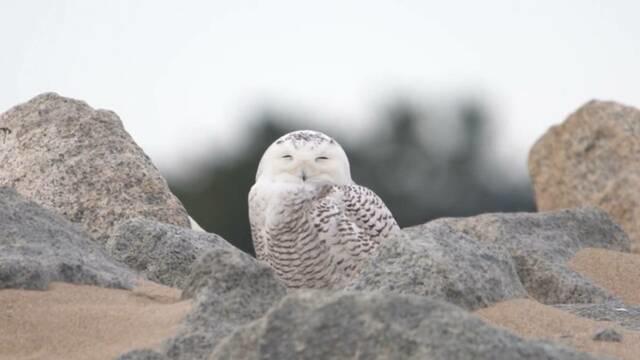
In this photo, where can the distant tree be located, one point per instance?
(417, 181)
(217, 197)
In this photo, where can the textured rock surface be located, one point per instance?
(593, 158)
(542, 243)
(437, 261)
(142, 355)
(38, 246)
(231, 289)
(624, 315)
(319, 325)
(81, 163)
(163, 253)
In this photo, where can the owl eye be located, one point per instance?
(319, 158)
(288, 157)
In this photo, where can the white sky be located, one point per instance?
(185, 76)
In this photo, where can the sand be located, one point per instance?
(615, 271)
(86, 322)
(533, 320)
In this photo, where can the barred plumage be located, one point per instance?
(309, 222)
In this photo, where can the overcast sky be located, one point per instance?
(188, 75)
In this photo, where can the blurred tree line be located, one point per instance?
(423, 165)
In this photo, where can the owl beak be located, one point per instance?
(303, 176)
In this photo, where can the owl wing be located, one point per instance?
(352, 219)
(257, 207)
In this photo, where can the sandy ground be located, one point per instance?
(86, 322)
(615, 271)
(533, 320)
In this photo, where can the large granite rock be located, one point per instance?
(477, 261)
(542, 243)
(38, 246)
(82, 163)
(436, 260)
(161, 252)
(231, 289)
(592, 159)
(351, 325)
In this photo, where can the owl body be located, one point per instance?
(309, 222)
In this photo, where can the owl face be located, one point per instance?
(305, 157)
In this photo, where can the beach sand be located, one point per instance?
(86, 322)
(615, 271)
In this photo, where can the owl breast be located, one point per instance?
(298, 239)
(291, 244)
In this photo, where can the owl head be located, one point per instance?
(305, 157)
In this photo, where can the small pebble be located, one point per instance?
(608, 335)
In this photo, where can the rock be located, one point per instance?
(38, 246)
(145, 354)
(592, 159)
(624, 315)
(436, 260)
(542, 243)
(81, 163)
(311, 324)
(610, 335)
(163, 253)
(231, 289)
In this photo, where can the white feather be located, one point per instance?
(308, 220)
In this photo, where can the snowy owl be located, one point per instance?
(309, 221)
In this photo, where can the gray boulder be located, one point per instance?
(81, 163)
(436, 260)
(38, 246)
(624, 315)
(143, 354)
(592, 159)
(231, 289)
(542, 243)
(161, 252)
(350, 325)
